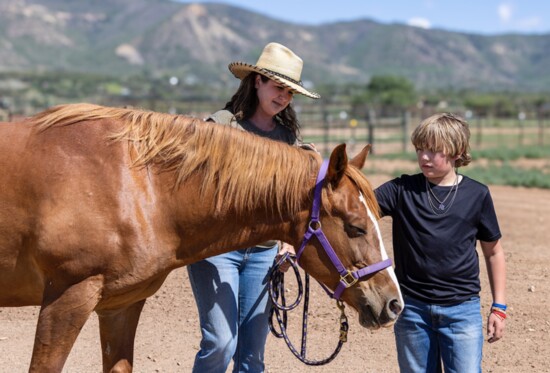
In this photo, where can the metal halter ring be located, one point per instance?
(314, 225)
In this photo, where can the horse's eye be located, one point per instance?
(354, 231)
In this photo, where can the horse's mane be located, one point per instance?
(240, 168)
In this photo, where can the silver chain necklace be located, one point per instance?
(440, 208)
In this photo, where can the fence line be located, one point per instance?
(329, 124)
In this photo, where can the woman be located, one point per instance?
(231, 289)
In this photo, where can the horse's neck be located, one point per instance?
(288, 229)
(232, 232)
(206, 232)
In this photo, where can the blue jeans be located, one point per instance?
(427, 335)
(231, 291)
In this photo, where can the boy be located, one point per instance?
(438, 215)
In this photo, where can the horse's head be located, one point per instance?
(348, 219)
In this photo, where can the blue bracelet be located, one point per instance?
(501, 306)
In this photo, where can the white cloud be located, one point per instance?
(532, 23)
(419, 22)
(504, 12)
(508, 16)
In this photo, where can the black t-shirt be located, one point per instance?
(279, 133)
(435, 255)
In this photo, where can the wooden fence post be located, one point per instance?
(326, 126)
(406, 123)
(541, 128)
(371, 118)
(479, 132)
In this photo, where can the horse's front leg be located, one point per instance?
(118, 330)
(62, 315)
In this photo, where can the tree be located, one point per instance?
(391, 93)
(482, 104)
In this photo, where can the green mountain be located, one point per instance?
(196, 42)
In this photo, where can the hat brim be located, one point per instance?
(242, 69)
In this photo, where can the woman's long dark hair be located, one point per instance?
(245, 101)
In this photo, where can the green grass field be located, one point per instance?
(500, 166)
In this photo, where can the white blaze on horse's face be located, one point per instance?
(383, 252)
(375, 295)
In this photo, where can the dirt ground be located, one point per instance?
(168, 335)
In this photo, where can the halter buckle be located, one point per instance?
(348, 279)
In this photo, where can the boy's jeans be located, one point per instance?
(428, 334)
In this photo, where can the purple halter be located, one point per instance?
(347, 277)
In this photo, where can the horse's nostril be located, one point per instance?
(395, 307)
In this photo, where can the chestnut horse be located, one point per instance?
(99, 204)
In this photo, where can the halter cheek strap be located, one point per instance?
(347, 277)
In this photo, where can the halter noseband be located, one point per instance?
(347, 278)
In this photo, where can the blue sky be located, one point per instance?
(474, 16)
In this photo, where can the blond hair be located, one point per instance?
(447, 133)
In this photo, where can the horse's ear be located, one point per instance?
(359, 160)
(337, 164)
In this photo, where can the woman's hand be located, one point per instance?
(284, 248)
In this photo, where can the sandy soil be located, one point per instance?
(168, 334)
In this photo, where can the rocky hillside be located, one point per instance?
(197, 41)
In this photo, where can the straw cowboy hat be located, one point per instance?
(278, 63)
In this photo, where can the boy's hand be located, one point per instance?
(495, 328)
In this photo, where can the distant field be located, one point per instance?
(527, 166)
(505, 151)
(392, 135)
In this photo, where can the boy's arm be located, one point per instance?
(496, 270)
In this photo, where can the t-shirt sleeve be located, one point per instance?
(488, 229)
(224, 117)
(387, 196)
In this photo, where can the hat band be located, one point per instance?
(283, 76)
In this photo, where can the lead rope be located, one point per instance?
(280, 309)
